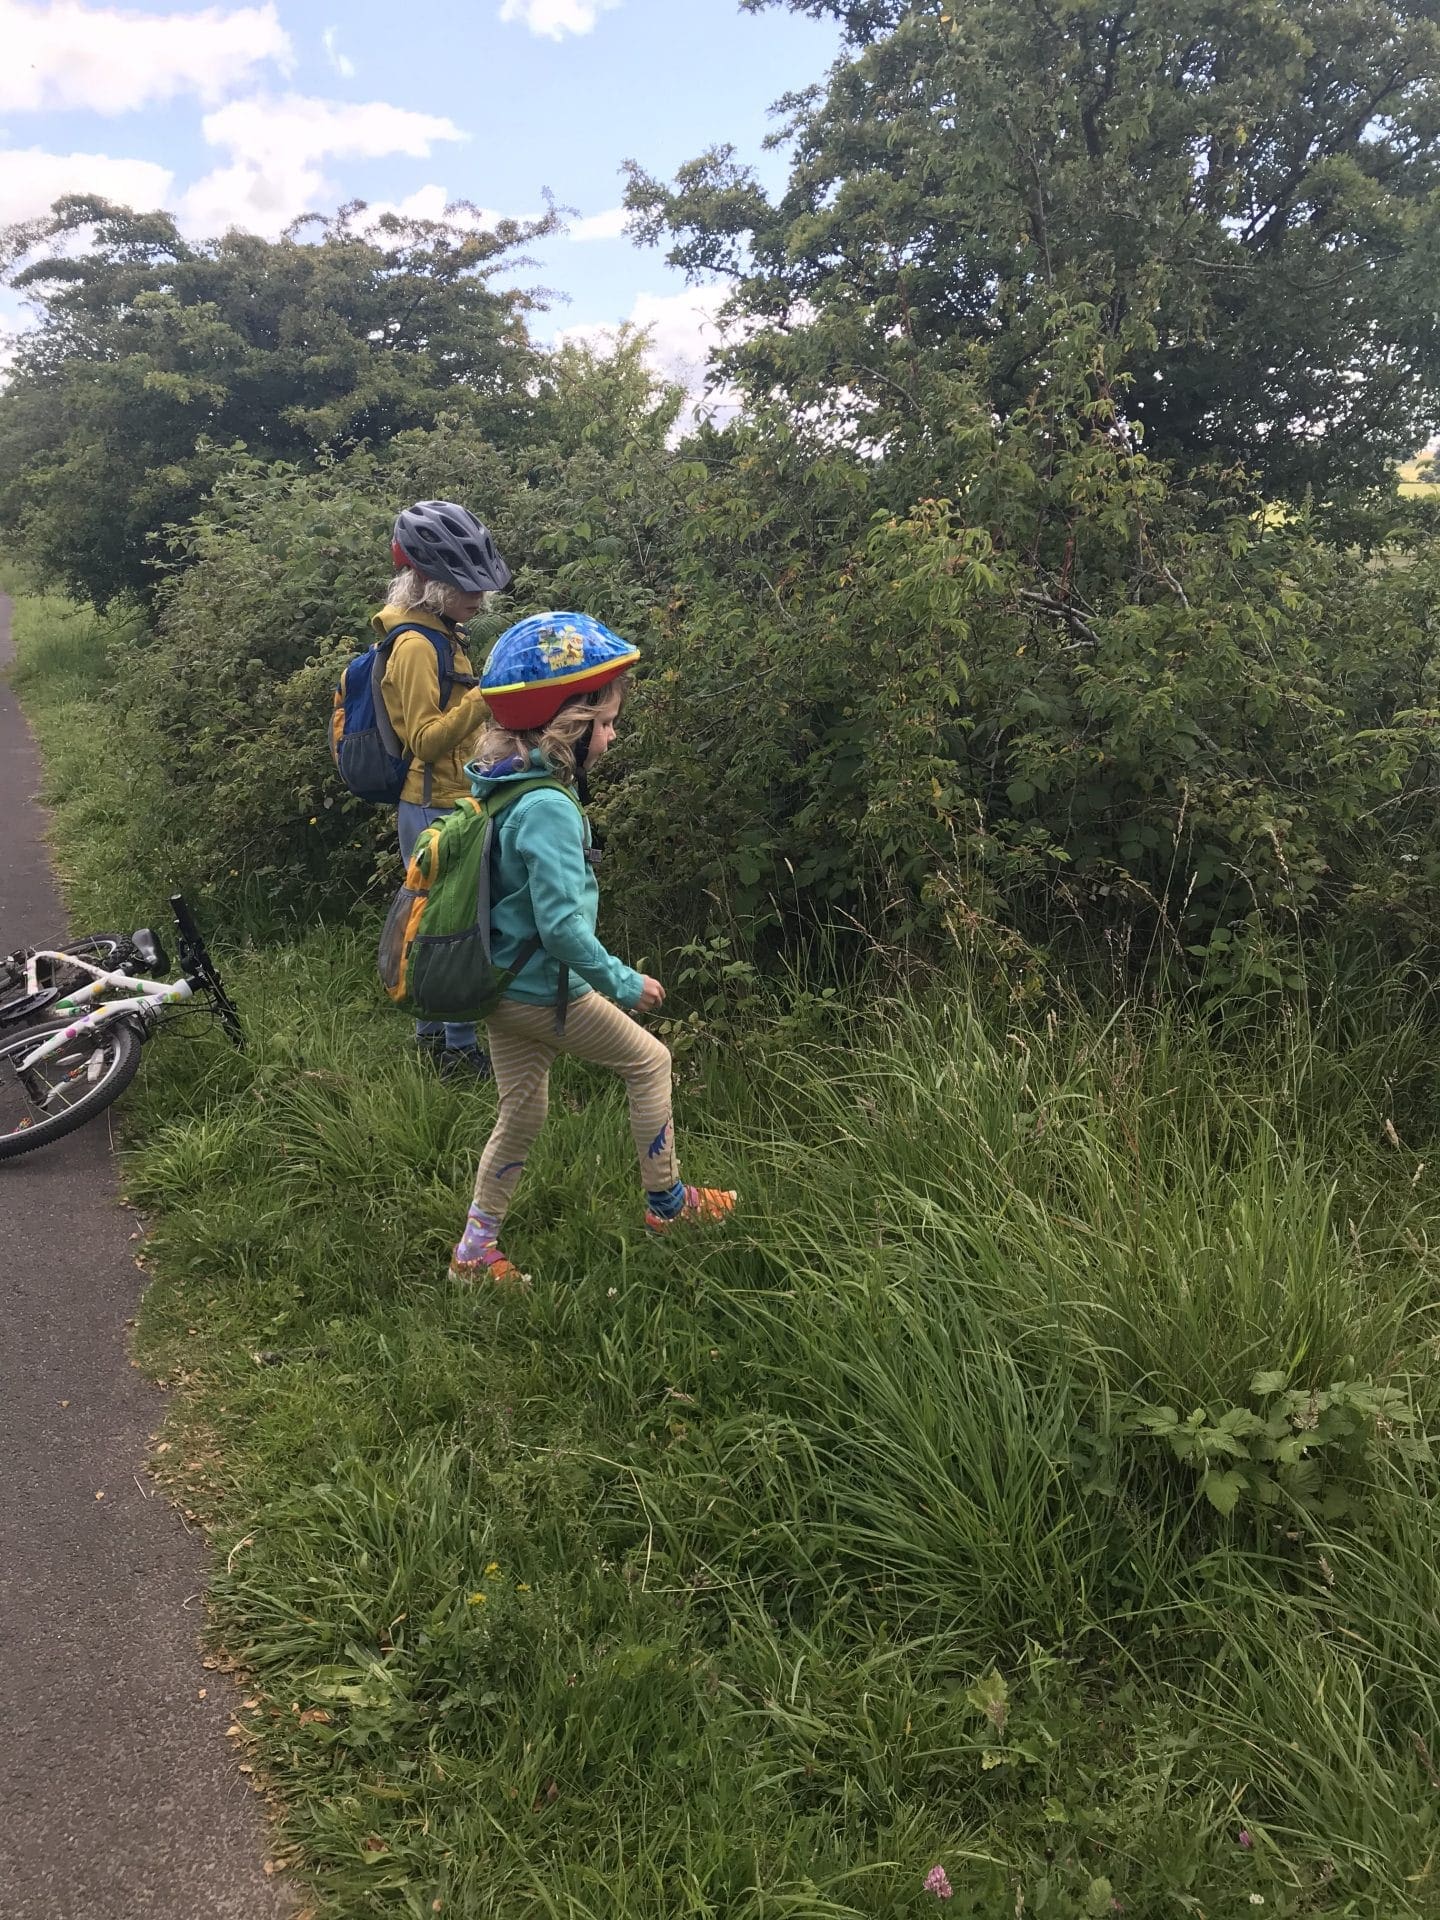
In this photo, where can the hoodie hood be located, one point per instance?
(487, 780)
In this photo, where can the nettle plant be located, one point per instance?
(1306, 1449)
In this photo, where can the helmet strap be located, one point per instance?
(582, 790)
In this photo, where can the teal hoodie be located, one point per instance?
(541, 883)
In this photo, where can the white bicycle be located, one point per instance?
(73, 1021)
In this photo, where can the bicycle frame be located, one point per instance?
(152, 995)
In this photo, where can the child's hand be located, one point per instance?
(652, 995)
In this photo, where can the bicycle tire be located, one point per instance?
(121, 1042)
(114, 951)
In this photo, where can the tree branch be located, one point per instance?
(1058, 610)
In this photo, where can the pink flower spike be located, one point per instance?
(937, 1882)
(1245, 1839)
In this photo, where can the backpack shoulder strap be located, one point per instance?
(444, 646)
(445, 669)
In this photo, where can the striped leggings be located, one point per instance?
(524, 1046)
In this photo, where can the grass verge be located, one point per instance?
(1014, 1490)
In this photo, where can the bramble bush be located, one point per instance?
(271, 591)
(1058, 691)
(1034, 687)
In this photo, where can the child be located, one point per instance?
(447, 564)
(554, 685)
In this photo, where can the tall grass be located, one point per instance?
(751, 1575)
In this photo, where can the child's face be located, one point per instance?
(464, 606)
(607, 715)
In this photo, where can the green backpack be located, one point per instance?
(435, 947)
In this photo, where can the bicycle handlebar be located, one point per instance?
(185, 920)
(195, 958)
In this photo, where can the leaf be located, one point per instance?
(1241, 1422)
(1157, 1419)
(1223, 1490)
(1217, 1440)
(991, 1696)
(1268, 1381)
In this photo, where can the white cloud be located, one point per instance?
(600, 226)
(16, 319)
(31, 180)
(296, 130)
(110, 60)
(556, 18)
(684, 330)
(341, 62)
(251, 198)
(276, 148)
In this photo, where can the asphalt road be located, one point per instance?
(119, 1792)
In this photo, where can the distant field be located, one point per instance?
(1410, 481)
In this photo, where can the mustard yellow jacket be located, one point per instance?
(442, 739)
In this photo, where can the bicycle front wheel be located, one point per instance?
(71, 1087)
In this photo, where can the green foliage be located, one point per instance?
(1066, 701)
(1299, 1450)
(1036, 1482)
(224, 698)
(155, 359)
(1063, 695)
(100, 768)
(943, 655)
(813, 1517)
(1257, 182)
(798, 1517)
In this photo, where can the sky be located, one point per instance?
(248, 115)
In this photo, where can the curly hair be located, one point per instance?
(556, 741)
(415, 592)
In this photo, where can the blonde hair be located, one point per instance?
(556, 741)
(416, 592)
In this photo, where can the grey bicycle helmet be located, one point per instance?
(446, 542)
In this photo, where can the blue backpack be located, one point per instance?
(363, 743)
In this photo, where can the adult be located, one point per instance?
(447, 564)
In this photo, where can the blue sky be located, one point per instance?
(249, 114)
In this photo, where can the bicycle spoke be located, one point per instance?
(56, 1085)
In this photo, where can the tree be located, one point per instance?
(1249, 190)
(154, 357)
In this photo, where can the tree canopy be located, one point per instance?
(154, 357)
(1248, 191)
